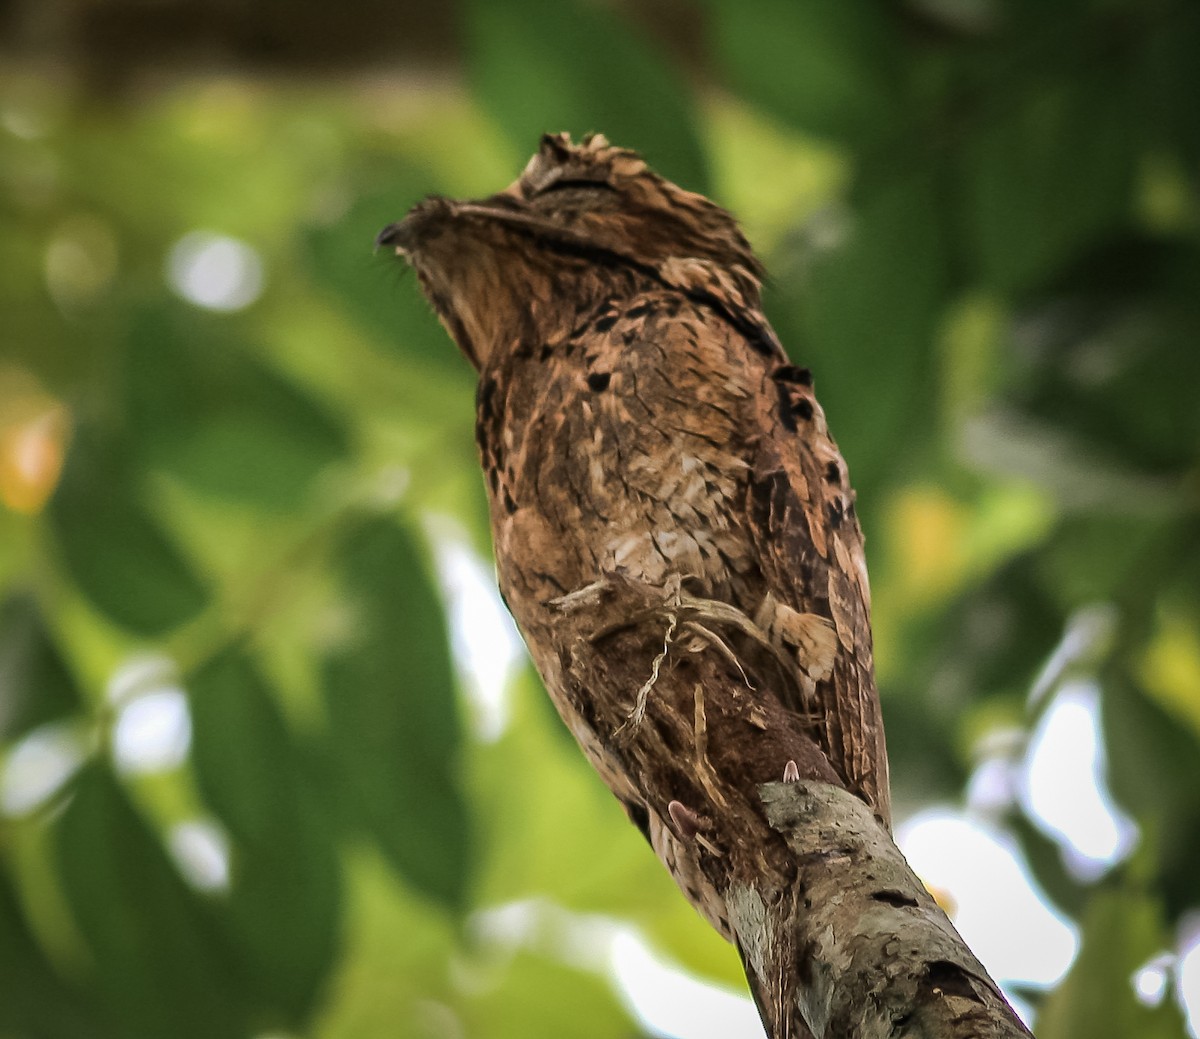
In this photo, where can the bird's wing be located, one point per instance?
(800, 512)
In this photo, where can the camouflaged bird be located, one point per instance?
(638, 421)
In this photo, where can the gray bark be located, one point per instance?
(874, 956)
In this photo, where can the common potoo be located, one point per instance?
(638, 422)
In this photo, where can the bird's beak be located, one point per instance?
(391, 235)
(423, 222)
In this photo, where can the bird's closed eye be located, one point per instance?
(569, 183)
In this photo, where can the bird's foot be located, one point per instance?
(691, 826)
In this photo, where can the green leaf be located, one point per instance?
(554, 832)
(1093, 556)
(35, 685)
(542, 66)
(204, 408)
(1047, 173)
(394, 966)
(1116, 364)
(988, 642)
(1122, 929)
(829, 67)
(538, 997)
(922, 748)
(1154, 772)
(552, 828)
(34, 999)
(158, 965)
(393, 715)
(113, 546)
(283, 911)
(1172, 75)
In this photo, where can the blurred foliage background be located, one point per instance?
(257, 774)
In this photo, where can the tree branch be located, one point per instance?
(877, 956)
(838, 936)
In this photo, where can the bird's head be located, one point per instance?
(577, 211)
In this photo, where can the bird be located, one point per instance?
(638, 420)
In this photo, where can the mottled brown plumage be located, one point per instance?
(639, 422)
